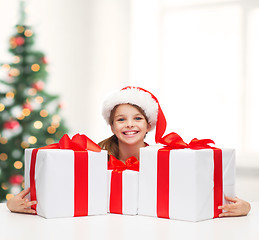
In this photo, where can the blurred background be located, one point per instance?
(199, 57)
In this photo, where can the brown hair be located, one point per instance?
(111, 144)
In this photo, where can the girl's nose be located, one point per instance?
(130, 123)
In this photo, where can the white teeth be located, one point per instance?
(130, 133)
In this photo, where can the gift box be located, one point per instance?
(123, 186)
(66, 182)
(185, 184)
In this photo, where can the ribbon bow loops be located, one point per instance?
(131, 163)
(200, 143)
(174, 141)
(79, 142)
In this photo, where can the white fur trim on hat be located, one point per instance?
(132, 96)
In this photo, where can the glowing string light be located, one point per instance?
(20, 29)
(32, 91)
(2, 107)
(38, 124)
(56, 125)
(51, 130)
(44, 113)
(25, 144)
(3, 140)
(16, 59)
(49, 141)
(4, 186)
(56, 118)
(18, 164)
(20, 117)
(26, 112)
(32, 140)
(9, 196)
(9, 95)
(28, 33)
(14, 72)
(39, 99)
(35, 67)
(3, 156)
(6, 67)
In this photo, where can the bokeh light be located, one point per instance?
(18, 164)
(38, 124)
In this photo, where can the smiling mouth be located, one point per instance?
(130, 132)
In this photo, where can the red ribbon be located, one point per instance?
(131, 163)
(174, 141)
(80, 144)
(116, 180)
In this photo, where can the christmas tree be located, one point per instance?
(29, 116)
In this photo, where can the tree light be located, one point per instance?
(9, 95)
(14, 72)
(6, 66)
(9, 196)
(49, 141)
(16, 59)
(25, 144)
(39, 99)
(28, 33)
(32, 91)
(38, 124)
(51, 130)
(3, 156)
(32, 140)
(4, 186)
(20, 29)
(18, 164)
(3, 140)
(26, 112)
(2, 107)
(35, 67)
(44, 113)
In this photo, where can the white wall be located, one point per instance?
(86, 43)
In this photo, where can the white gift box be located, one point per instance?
(55, 182)
(191, 182)
(129, 192)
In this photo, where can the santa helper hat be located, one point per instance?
(142, 98)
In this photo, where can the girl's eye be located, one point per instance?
(120, 119)
(139, 118)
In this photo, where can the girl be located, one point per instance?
(131, 114)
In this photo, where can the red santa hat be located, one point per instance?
(142, 98)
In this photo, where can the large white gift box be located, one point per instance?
(185, 189)
(123, 192)
(67, 186)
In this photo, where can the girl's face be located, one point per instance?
(129, 124)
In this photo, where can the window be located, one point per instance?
(200, 58)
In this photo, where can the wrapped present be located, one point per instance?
(185, 181)
(123, 186)
(66, 179)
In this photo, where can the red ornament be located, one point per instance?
(27, 105)
(16, 179)
(61, 105)
(19, 41)
(38, 85)
(44, 60)
(12, 124)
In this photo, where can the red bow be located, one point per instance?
(79, 142)
(131, 163)
(174, 141)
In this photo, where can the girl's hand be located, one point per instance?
(237, 207)
(20, 204)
